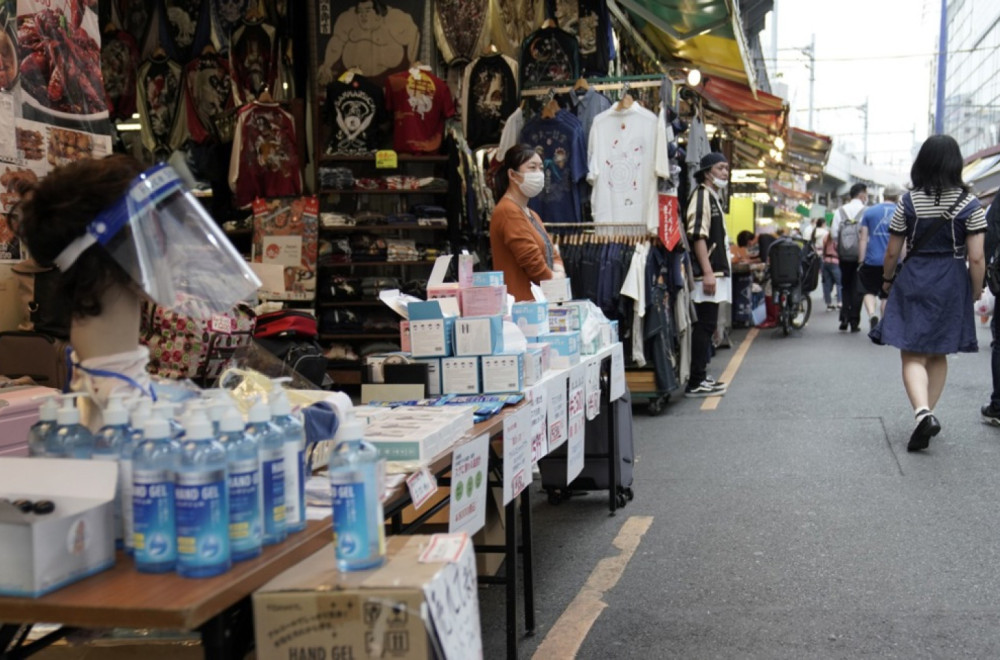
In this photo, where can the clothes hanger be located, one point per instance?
(549, 23)
(626, 101)
(581, 85)
(490, 50)
(265, 96)
(159, 54)
(550, 107)
(209, 49)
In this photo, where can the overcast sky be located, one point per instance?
(882, 50)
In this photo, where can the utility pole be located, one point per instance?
(812, 75)
(942, 69)
(865, 107)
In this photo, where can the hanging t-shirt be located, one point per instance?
(354, 111)
(459, 27)
(420, 104)
(119, 62)
(490, 91)
(588, 106)
(265, 160)
(227, 16)
(562, 146)
(158, 96)
(549, 55)
(135, 16)
(627, 151)
(184, 27)
(253, 61)
(590, 22)
(207, 92)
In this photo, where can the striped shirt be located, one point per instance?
(927, 209)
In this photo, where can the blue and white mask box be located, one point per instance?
(503, 373)
(488, 278)
(557, 290)
(565, 348)
(44, 552)
(431, 331)
(533, 365)
(531, 317)
(460, 375)
(478, 335)
(433, 375)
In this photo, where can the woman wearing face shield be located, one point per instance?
(521, 247)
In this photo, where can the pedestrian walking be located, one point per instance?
(874, 240)
(929, 313)
(846, 231)
(831, 272)
(991, 411)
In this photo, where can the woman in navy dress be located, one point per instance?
(929, 309)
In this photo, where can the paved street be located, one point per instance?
(789, 522)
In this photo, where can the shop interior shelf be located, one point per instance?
(399, 226)
(383, 191)
(424, 158)
(363, 335)
(350, 303)
(384, 264)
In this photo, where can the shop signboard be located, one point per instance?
(556, 404)
(469, 463)
(576, 416)
(516, 453)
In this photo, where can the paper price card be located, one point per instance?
(516, 453)
(617, 388)
(453, 607)
(577, 383)
(469, 463)
(556, 404)
(386, 159)
(537, 411)
(421, 485)
(593, 388)
(575, 447)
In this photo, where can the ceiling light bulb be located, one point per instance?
(779, 142)
(694, 77)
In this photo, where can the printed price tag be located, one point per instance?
(444, 548)
(223, 324)
(386, 159)
(421, 485)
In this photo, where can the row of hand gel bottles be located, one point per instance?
(196, 492)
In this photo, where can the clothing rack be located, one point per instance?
(600, 86)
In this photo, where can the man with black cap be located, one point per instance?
(706, 230)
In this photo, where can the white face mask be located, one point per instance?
(532, 184)
(720, 183)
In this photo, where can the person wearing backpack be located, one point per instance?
(846, 232)
(991, 411)
(874, 240)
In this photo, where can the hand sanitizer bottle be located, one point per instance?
(243, 455)
(294, 443)
(39, 430)
(202, 502)
(108, 444)
(71, 439)
(137, 421)
(358, 521)
(272, 472)
(154, 471)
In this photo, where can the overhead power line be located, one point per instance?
(859, 58)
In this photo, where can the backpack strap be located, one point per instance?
(945, 218)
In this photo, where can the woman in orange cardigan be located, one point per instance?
(521, 247)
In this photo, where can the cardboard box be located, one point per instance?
(431, 330)
(488, 278)
(546, 353)
(557, 290)
(433, 375)
(460, 375)
(404, 336)
(419, 433)
(567, 316)
(478, 335)
(565, 348)
(484, 301)
(503, 373)
(313, 611)
(533, 369)
(531, 317)
(42, 553)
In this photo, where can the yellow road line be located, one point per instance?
(712, 402)
(568, 633)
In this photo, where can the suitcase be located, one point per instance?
(595, 474)
(18, 411)
(33, 354)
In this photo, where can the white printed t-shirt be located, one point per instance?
(627, 150)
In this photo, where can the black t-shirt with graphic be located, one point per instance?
(491, 97)
(354, 111)
(549, 55)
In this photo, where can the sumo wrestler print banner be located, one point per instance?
(378, 37)
(53, 108)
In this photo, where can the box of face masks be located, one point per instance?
(531, 317)
(431, 330)
(533, 369)
(503, 373)
(460, 375)
(565, 347)
(45, 551)
(478, 335)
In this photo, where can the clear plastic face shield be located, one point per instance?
(170, 246)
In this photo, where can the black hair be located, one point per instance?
(820, 222)
(743, 238)
(57, 210)
(516, 156)
(699, 177)
(380, 7)
(857, 189)
(938, 166)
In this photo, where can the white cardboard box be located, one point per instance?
(460, 375)
(503, 373)
(531, 317)
(41, 553)
(394, 611)
(433, 375)
(565, 348)
(533, 369)
(478, 335)
(557, 290)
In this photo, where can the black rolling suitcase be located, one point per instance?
(596, 474)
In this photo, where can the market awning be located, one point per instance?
(808, 151)
(764, 112)
(707, 33)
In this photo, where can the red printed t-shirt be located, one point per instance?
(420, 107)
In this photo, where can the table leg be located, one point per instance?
(527, 569)
(511, 578)
(19, 649)
(229, 634)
